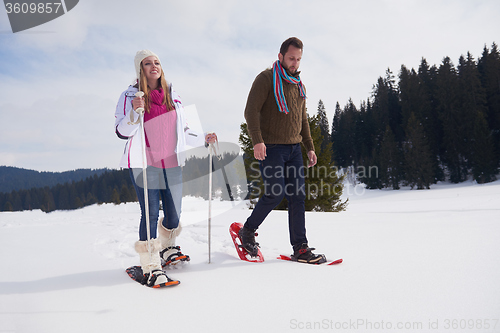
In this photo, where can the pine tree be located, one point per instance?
(74, 200)
(254, 180)
(115, 197)
(472, 101)
(8, 207)
(125, 195)
(410, 98)
(63, 198)
(386, 115)
(390, 160)
(15, 199)
(418, 160)
(48, 202)
(386, 106)
(380, 106)
(448, 108)
(366, 134)
(372, 180)
(323, 125)
(27, 201)
(362, 134)
(337, 137)
(430, 119)
(90, 199)
(415, 98)
(343, 134)
(323, 185)
(484, 164)
(364, 142)
(489, 70)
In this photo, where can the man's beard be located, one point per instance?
(288, 68)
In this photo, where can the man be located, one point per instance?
(277, 123)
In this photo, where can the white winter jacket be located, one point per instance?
(126, 128)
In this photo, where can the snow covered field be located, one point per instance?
(414, 261)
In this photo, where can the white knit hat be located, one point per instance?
(139, 57)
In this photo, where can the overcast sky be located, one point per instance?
(60, 81)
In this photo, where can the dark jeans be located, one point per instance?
(283, 175)
(164, 183)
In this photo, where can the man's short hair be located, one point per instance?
(294, 41)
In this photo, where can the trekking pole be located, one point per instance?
(144, 175)
(212, 150)
(210, 154)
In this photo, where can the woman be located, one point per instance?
(166, 134)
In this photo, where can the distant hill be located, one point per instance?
(22, 189)
(14, 179)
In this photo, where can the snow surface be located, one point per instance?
(414, 261)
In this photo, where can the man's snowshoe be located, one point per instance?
(254, 255)
(247, 237)
(303, 253)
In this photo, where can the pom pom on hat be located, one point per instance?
(139, 57)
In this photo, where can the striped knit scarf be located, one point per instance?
(280, 74)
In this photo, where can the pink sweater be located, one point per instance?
(161, 136)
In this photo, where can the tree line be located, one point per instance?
(110, 186)
(12, 178)
(431, 124)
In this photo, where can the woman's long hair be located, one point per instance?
(142, 85)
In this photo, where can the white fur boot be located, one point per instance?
(151, 265)
(170, 253)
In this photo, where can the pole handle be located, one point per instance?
(139, 94)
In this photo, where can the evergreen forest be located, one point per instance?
(434, 123)
(103, 186)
